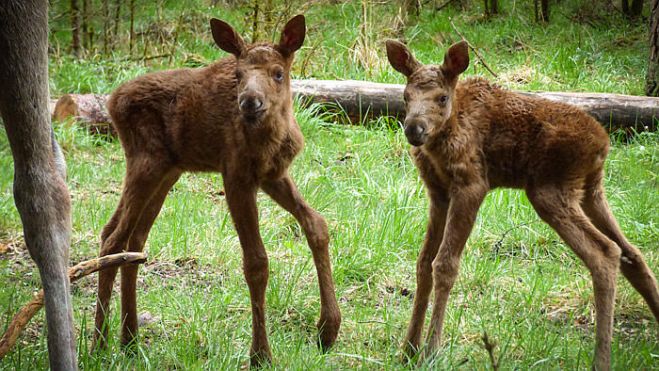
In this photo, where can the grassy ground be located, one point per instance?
(518, 282)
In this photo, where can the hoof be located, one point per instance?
(410, 351)
(261, 358)
(328, 331)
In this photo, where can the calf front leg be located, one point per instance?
(241, 199)
(434, 234)
(284, 192)
(462, 211)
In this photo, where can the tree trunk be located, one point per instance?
(544, 10)
(361, 99)
(117, 20)
(106, 25)
(132, 30)
(255, 20)
(637, 8)
(652, 78)
(535, 9)
(75, 28)
(86, 34)
(632, 10)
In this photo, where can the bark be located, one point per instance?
(491, 7)
(544, 10)
(106, 25)
(494, 6)
(75, 28)
(361, 99)
(22, 318)
(132, 29)
(87, 31)
(632, 10)
(652, 78)
(88, 110)
(117, 20)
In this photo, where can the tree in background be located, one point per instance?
(652, 78)
(543, 14)
(491, 7)
(632, 10)
(75, 28)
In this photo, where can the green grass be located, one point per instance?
(581, 49)
(518, 281)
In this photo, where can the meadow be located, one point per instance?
(519, 283)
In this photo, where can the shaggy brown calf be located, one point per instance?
(471, 137)
(234, 117)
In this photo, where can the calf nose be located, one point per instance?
(415, 131)
(250, 103)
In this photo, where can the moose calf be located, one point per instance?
(472, 136)
(234, 117)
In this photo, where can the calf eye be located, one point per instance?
(442, 99)
(239, 75)
(278, 75)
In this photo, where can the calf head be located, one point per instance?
(262, 69)
(430, 90)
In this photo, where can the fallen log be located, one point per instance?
(76, 272)
(89, 110)
(361, 100)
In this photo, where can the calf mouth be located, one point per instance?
(253, 116)
(417, 141)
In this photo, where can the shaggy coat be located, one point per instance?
(234, 117)
(472, 136)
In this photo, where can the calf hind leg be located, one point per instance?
(561, 210)
(140, 186)
(632, 264)
(136, 244)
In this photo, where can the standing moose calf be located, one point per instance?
(471, 137)
(234, 117)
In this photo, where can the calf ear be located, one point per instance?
(400, 58)
(456, 60)
(226, 38)
(292, 37)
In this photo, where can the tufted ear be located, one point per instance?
(292, 37)
(226, 38)
(400, 58)
(456, 60)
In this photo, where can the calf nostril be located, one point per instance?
(414, 130)
(257, 103)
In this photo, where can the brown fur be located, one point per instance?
(471, 137)
(206, 120)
